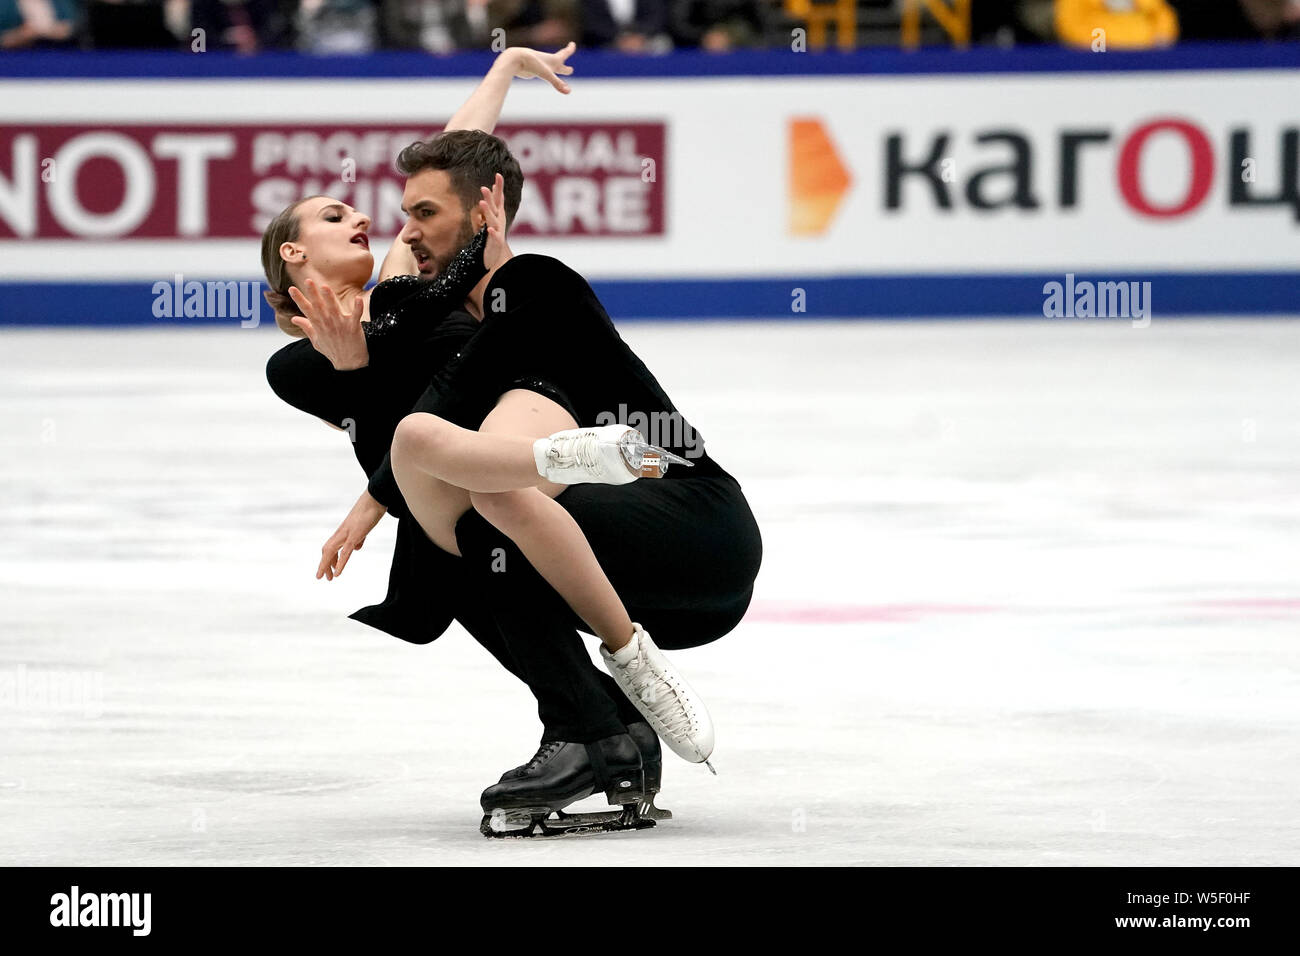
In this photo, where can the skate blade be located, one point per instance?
(542, 824)
(648, 810)
(516, 822)
(645, 809)
(651, 461)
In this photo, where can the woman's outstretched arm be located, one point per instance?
(483, 107)
(482, 110)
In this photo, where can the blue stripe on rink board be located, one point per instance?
(918, 296)
(58, 64)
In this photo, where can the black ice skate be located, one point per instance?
(530, 800)
(652, 765)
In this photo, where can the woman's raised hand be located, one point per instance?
(349, 537)
(493, 207)
(529, 63)
(333, 333)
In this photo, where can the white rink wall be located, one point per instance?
(868, 190)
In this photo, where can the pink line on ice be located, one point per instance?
(791, 612)
(773, 612)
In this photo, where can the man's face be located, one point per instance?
(437, 225)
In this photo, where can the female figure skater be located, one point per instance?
(319, 241)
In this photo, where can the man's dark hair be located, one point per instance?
(472, 158)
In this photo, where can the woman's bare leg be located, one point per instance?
(496, 465)
(554, 544)
(434, 504)
(547, 534)
(486, 461)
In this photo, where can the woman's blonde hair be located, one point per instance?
(283, 228)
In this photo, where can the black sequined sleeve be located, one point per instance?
(404, 308)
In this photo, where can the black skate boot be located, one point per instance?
(652, 764)
(561, 773)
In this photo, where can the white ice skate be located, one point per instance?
(607, 455)
(665, 700)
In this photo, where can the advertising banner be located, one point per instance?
(700, 195)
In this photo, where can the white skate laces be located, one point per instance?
(608, 455)
(666, 701)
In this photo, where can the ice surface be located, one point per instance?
(1029, 596)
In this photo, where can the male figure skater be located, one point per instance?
(682, 552)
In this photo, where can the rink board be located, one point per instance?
(792, 190)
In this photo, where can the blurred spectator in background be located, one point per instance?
(1124, 24)
(535, 23)
(243, 25)
(632, 26)
(1237, 19)
(128, 24)
(720, 25)
(1010, 22)
(1291, 21)
(337, 26)
(438, 26)
(26, 23)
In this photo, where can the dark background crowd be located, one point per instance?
(632, 26)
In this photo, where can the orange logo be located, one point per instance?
(817, 178)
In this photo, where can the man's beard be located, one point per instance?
(463, 239)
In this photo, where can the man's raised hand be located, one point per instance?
(493, 207)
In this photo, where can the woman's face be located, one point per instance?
(332, 238)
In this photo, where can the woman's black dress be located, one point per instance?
(416, 328)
